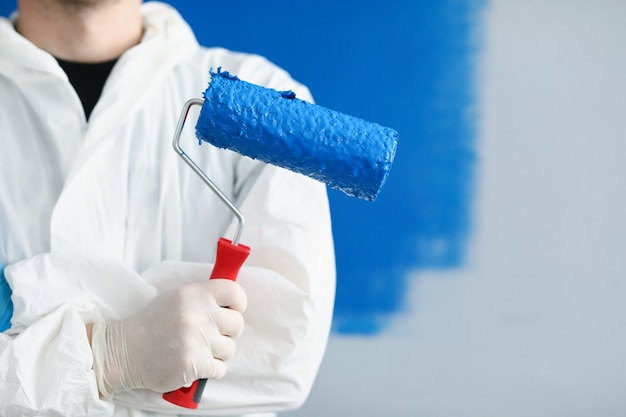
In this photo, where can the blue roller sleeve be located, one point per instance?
(345, 152)
(6, 305)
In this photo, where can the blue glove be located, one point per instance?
(6, 305)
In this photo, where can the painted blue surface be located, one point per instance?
(6, 305)
(407, 64)
(6, 7)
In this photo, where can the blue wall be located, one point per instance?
(405, 64)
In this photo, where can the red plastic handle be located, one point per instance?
(228, 261)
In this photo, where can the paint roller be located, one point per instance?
(345, 152)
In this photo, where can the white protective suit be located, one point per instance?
(97, 218)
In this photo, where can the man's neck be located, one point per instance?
(81, 30)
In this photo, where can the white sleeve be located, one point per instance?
(45, 357)
(46, 369)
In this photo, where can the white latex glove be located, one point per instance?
(184, 334)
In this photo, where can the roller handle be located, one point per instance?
(228, 261)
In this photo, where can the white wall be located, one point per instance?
(534, 324)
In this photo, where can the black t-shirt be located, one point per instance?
(88, 80)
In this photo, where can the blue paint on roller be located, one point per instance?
(6, 305)
(345, 152)
(288, 94)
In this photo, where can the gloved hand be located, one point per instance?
(183, 335)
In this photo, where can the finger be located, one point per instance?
(220, 292)
(217, 345)
(210, 369)
(229, 294)
(219, 369)
(229, 322)
(223, 348)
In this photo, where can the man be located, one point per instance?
(108, 237)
